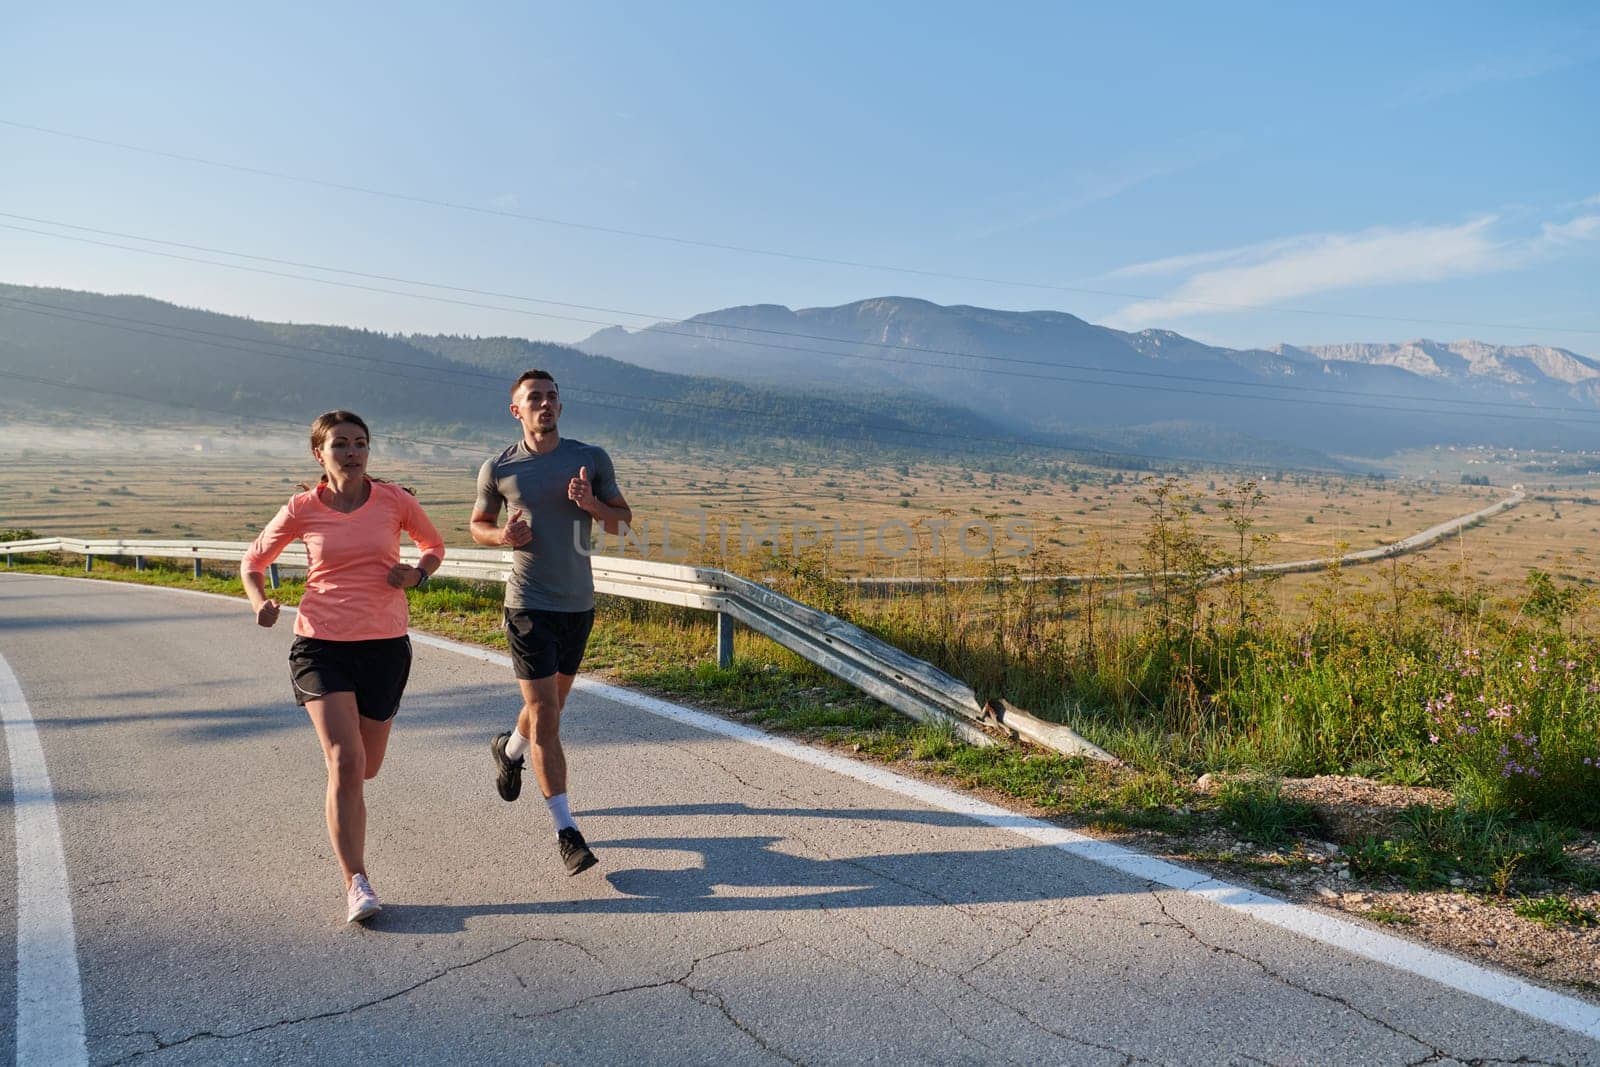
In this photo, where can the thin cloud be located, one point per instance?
(1559, 234)
(1495, 70)
(1170, 265)
(1079, 189)
(1273, 272)
(1327, 262)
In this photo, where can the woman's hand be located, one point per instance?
(267, 613)
(405, 576)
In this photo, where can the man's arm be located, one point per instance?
(614, 515)
(486, 515)
(485, 525)
(485, 531)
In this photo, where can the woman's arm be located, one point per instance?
(267, 546)
(415, 522)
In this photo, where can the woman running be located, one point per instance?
(351, 656)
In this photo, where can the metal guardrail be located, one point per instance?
(909, 685)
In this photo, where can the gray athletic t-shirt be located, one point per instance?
(550, 572)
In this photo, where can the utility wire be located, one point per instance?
(70, 314)
(795, 348)
(1062, 521)
(657, 319)
(751, 250)
(299, 427)
(783, 421)
(232, 416)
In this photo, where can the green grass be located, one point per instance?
(1389, 917)
(157, 572)
(1435, 847)
(1555, 911)
(1345, 693)
(1258, 811)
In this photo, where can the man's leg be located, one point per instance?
(541, 717)
(540, 723)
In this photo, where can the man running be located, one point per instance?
(556, 489)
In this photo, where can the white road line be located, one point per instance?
(49, 997)
(1557, 1009)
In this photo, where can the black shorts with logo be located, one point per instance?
(547, 642)
(375, 671)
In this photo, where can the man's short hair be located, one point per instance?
(532, 376)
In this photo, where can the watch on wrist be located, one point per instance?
(422, 580)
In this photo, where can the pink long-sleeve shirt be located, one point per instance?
(348, 596)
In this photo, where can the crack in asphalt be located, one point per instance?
(699, 994)
(724, 768)
(937, 1006)
(121, 880)
(695, 754)
(1490, 1062)
(1028, 931)
(162, 1046)
(1128, 1058)
(1435, 1052)
(971, 912)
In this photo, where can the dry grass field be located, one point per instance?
(868, 519)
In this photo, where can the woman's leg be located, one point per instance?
(344, 749)
(375, 742)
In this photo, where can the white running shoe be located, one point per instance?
(362, 900)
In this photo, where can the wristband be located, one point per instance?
(422, 581)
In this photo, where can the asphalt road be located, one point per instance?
(748, 907)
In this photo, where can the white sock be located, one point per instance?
(559, 812)
(516, 745)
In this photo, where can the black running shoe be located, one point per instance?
(575, 851)
(507, 771)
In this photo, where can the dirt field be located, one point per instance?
(865, 517)
(870, 519)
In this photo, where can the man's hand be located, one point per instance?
(267, 613)
(580, 491)
(517, 532)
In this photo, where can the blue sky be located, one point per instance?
(1428, 162)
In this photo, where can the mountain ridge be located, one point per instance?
(1054, 370)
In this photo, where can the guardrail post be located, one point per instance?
(88, 563)
(197, 566)
(724, 640)
(138, 563)
(272, 574)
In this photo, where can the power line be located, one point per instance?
(752, 250)
(76, 315)
(796, 348)
(1061, 521)
(658, 318)
(73, 315)
(232, 416)
(300, 427)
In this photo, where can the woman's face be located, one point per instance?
(344, 451)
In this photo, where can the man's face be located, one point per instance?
(537, 405)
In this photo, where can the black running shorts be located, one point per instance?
(375, 671)
(546, 642)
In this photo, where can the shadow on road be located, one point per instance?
(59, 622)
(751, 874)
(926, 817)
